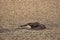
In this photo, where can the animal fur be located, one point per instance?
(34, 25)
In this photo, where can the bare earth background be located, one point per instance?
(14, 13)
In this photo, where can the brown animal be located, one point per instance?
(35, 25)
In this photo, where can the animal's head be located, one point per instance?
(26, 26)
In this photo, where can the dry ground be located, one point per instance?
(13, 13)
(52, 33)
